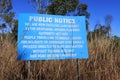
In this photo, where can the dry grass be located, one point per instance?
(103, 64)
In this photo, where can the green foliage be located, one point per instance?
(15, 29)
(8, 17)
(61, 7)
(3, 25)
(64, 7)
(5, 16)
(82, 10)
(5, 6)
(39, 5)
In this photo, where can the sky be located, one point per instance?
(98, 9)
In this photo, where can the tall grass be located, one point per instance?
(103, 64)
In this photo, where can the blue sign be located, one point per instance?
(51, 37)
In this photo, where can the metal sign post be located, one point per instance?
(28, 75)
(78, 69)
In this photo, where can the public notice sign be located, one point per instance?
(51, 37)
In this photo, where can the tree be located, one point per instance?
(61, 7)
(108, 21)
(5, 6)
(82, 11)
(64, 7)
(2, 27)
(39, 5)
(7, 19)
